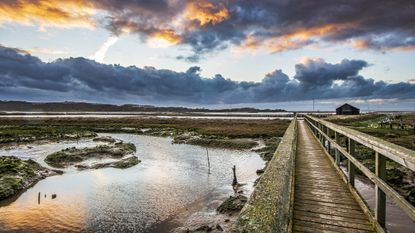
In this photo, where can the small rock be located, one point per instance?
(53, 196)
(233, 203)
(259, 171)
(218, 227)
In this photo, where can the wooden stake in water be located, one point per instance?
(207, 155)
(235, 180)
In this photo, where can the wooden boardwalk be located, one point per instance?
(322, 202)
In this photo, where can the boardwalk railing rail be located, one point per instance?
(329, 135)
(269, 209)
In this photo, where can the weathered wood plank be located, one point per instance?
(344, 219)
(337, 223)
(336, 212)
(322, 201)
(316, 227)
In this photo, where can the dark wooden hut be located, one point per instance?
(347, 109)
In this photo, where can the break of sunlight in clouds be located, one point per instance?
(99, 55)
(49, 51)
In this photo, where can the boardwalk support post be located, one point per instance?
(337, 138)
(380, 210)
(350, 165)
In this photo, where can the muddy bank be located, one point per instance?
(233, 204)
(27, 134)
(17, 175)
(122, 164)
(215, 141)
(74, 156)
(270, 146)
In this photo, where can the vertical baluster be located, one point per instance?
(380, 209)
(337, 152)
(319, 134)
(328, 137)
(350, 165)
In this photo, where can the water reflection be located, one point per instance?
(169, 178)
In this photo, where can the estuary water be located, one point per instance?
(170, 180)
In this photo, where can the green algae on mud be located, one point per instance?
(31, 133)
(72, 156)
(17, 174)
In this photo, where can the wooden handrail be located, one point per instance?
(322, 129)
(399, 154)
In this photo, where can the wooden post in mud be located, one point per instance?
(38, 198)
(207, 154)
(235, 180)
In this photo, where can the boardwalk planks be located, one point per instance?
(323, 203)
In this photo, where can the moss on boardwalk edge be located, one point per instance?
(269, 207)
(17, 175)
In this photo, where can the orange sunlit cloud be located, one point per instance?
(206, 13)
(45, 13)
(163, 38)
(294, 40)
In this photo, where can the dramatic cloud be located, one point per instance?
(23, 76)
(45, 13)
(209, 25)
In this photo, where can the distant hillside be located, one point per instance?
(22, 106)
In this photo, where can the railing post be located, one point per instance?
(380, 210)
(337, 152)
(319, 134)
(350, 165)
(328, 142)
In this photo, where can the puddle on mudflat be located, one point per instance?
(169, 179)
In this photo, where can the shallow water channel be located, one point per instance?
(170, 181)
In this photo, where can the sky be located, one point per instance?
(210, 53)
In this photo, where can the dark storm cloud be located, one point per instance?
(24, 76)
(379, 25)
(211, 25)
